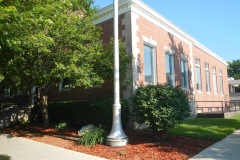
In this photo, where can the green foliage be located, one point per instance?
(5, 105)
(160, 106)
(61, 126)
(91, 138)
(1, 77)
(4, 157)
(81, 113)
(106, 67)
(234, 69)
(207, 128)
(46, 41)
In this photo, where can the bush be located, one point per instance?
(5, 105)
(4, 157)
(91, 138)
(61, 126)
(160, 106)
(81, 113)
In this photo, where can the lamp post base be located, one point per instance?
(115, 142)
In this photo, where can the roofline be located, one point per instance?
(146, 11)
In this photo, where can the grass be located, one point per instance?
(207, 128)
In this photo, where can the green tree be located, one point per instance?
(234, 69)
(44, 41)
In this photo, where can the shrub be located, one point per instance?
(91, 138)
(81, 113)
(61, 126)
(4, 157)
(160, 106)
(5, 105)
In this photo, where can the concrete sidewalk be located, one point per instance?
(24, 149)
(226, 149)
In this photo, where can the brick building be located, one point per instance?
(162, 52)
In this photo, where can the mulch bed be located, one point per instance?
(142, 145)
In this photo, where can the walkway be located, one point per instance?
(226, 149)
(24, 149)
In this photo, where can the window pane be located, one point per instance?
(198, 74)
(169, 69)
(207, 77)
(214, 80)
(184, 74)
(148, 64)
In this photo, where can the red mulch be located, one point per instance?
(141, 144)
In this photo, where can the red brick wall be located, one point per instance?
(163, 38)
(107, 28)
(203, 96)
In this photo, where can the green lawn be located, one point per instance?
(207, 128)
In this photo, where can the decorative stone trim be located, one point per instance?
(169, 50)
(149, 41)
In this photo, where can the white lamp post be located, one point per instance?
(117, 137)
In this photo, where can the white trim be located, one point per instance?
(183, 57)
(147, 12)
(135, 50)
(149, 41)
(169, 50)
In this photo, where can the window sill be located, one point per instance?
(64, 90)
(198, 91)
(95, 86)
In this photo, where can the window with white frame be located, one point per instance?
(198, 74)
(206, 67)
(64, 84)
(214, 75)
(221, 82)
(184, 73)
(169, 60)
(149, 64)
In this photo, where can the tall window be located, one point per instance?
(206, 66)
(184, 74)
(221, 82)
(64, 84)
(214, 74)
(198, 74)
(149, 65)
(169, 69)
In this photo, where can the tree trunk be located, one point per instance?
(44, 106)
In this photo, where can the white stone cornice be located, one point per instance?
(200, 46)
(147, 12)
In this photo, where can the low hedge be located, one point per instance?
(80, 113)
(5, 105)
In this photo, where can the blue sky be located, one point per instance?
(214, 23)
